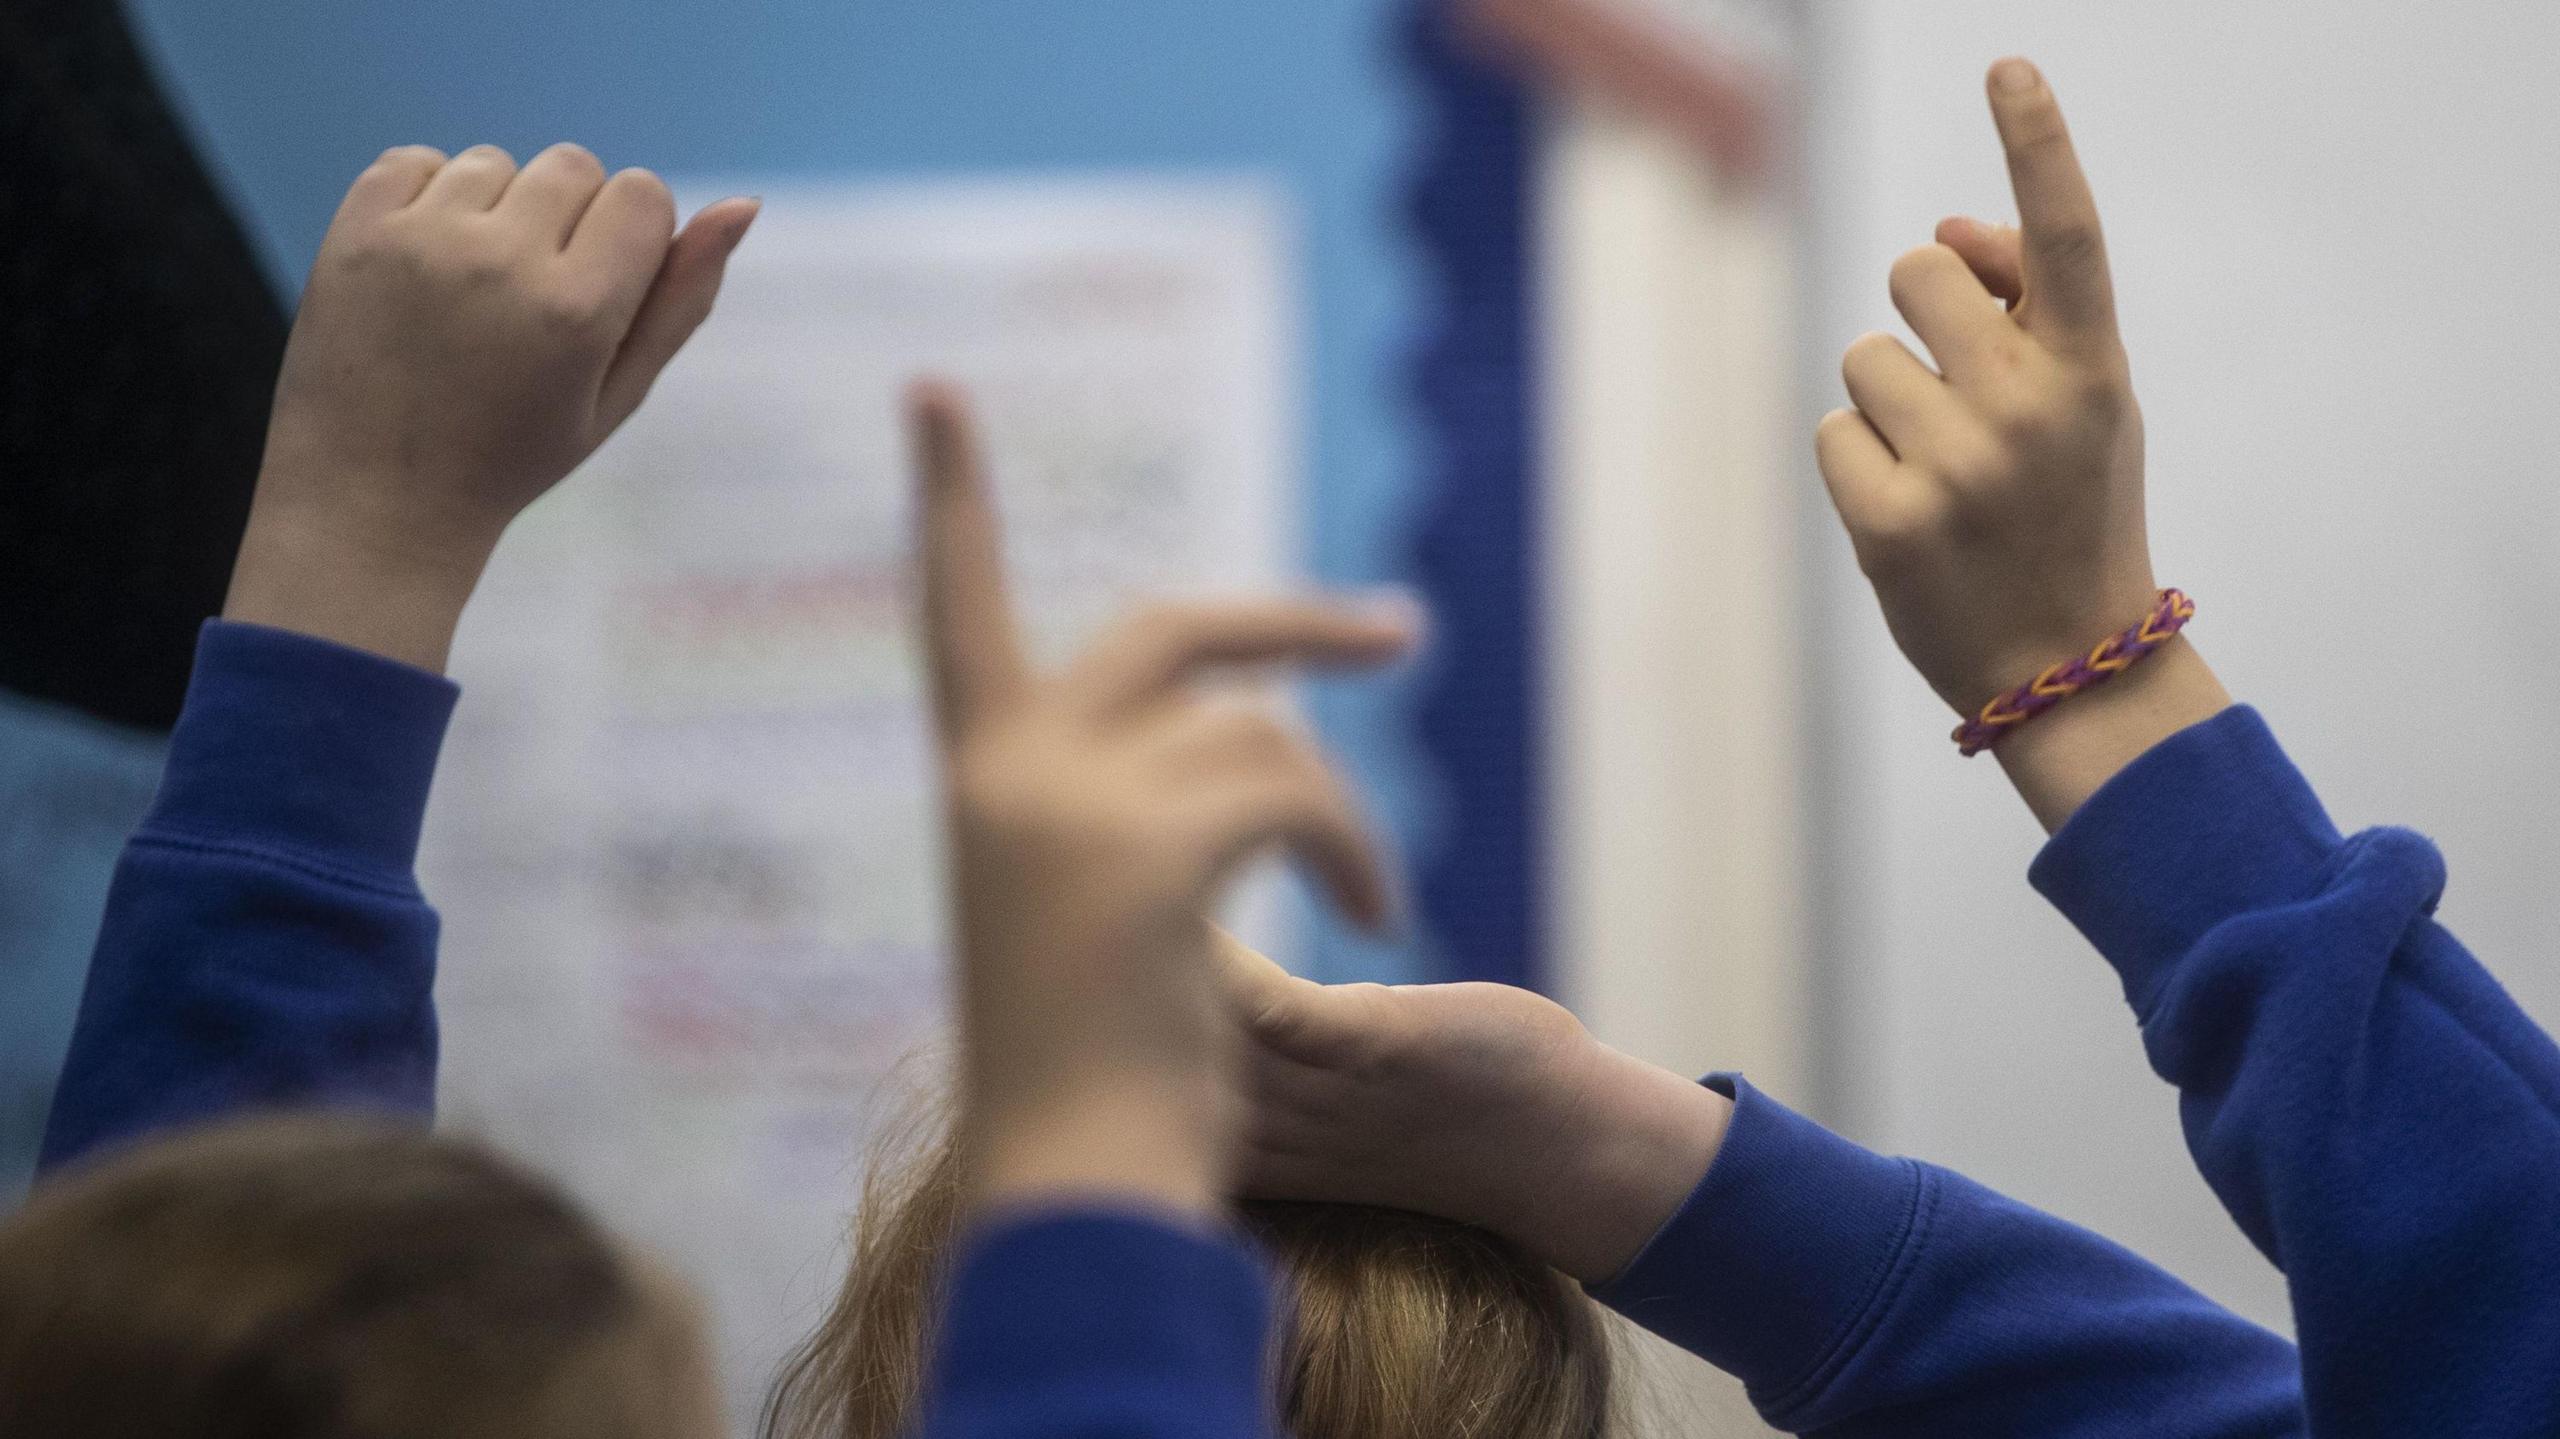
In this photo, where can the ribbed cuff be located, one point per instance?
(1095, 1311)
(304, 746)
(1779, 1262)
(2211, 823)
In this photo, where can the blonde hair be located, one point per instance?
(1399, 1326)
(317, 1279)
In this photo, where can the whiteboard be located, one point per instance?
(684, 835)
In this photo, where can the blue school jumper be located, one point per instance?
(2373, 1110)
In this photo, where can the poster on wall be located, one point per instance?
(684, 836)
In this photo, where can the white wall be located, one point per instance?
(2334, 232)
(1674, 672)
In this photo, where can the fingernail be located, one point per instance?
(2015, 76)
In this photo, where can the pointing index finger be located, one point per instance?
(971, 650)
(2069, 295)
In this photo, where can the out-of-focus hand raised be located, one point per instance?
(1995, 500)
(1095, 816)
(471, 332)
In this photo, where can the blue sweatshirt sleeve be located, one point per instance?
(2375, 1112)
(1092, 1324)
(264, 941)
(1856, 1295)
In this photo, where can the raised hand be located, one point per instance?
(1996, 500)
(1095, 816)
(471, 332)
(1476, 1102)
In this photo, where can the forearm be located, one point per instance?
(1857, 1295)
(2372, 1108)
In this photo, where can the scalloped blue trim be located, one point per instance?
(1478, 716)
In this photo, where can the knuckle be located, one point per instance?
(2033, 425)
(1890, 537)
(1973, 466)
(2008, 359)
(2036, 131)
(1867, 351)
(645, 188)
(2071, 245)
(386, 245)
(472, 260)
(2103, 391)
(1917, 268)
(1836, 429)
(430, 249)
(576, 156)
(404, 157)
(1274, 1018)
(573, 312)
(2036, 417)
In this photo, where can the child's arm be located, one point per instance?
(1093, 816)
(264, 943)
(1855, 1295)
(469, 334)
(2372, 1108)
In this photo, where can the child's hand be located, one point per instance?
(1995, 502)
(471, 332)
(1475, 1102)
(1095, 815)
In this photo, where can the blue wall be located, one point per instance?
(294, 96)
(71, 789)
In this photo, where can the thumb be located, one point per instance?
(676, 305)
(1289, 1017)
(1250, 973)
(1995, 253)
(1268, 998)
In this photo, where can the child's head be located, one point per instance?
(321, 1279)
(1400, 1326)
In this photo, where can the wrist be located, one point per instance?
(1152, 1142)
(371, 582)
(2067, 754)
(1641, 1138)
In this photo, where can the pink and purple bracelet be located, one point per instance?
(2060, 682)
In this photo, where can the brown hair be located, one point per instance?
(1400, 1326)
(331, 1279)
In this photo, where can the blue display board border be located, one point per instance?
(1478, 718)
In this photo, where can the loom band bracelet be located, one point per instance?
(2110, 657)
